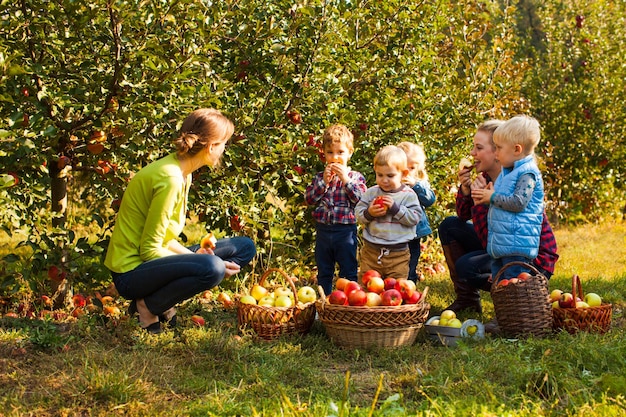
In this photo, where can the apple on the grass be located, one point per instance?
(368, 275)
(376, 284)
(338, 297)
(390, 283)
(351, 286)
(306, 294)
(373, 299)
(198, 320)
(357, 298)
(593, 299)
(258, 291)
(391, 297)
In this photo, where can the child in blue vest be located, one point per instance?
(516, 198)
(417, 179)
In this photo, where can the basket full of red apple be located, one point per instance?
(378, 312)
(275, 309)
(576, 311)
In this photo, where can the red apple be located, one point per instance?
(338, 297)
(523, 276)
(369, 274)
(413, 298)
(341, 283)
(567, 300)
(391, 298)
(351, 286)
(406, 287)
(390, 283)
(357, 298)
(376, 284)
(503, 283)
(513, 280)
(198, 320)
(373, 299)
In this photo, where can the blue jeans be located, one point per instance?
(167, 281)
(335, 244)
(512, 271)
(416, 250)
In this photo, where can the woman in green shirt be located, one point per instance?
(148, 264)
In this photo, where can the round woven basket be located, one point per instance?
(381, 326)
(591, 319)
(272, 322)
(523, 308)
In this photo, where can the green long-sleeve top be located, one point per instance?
(152, 213)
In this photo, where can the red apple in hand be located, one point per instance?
(338, 297)
(390, 283)
(357, 298)
(376, 284)
(391, 298)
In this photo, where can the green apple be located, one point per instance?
(435, 323)
(447, 315)
(267, 301)
(581, 304)
(593, 299)
(283, 291)
(258, 292)
(247, 299)
(283, 301)
(456, 323)
(306, 294)
(443, 322)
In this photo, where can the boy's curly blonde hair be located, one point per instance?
(338, 133)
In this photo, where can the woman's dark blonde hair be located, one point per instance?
(200, 129)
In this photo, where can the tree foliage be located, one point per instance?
(93, 92)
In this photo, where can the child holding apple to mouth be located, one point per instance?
(515, 199)
(390, 212)
(335, 192)
(417, 179)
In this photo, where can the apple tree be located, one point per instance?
(577, 92)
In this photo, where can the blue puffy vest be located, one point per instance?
(516, 234)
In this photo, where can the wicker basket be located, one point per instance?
(590, 319)
(272, 322)
(523, 308)
(381, 326)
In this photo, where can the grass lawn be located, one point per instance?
(96, 366)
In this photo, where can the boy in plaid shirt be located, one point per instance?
(335, 192)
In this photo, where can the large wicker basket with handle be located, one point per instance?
(272, 322)
(590, 319)
(523, 308)
(381, 326)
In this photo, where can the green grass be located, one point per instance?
(100, 367)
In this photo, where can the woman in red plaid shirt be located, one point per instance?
(464, 237)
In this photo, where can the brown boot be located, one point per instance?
(467, 297)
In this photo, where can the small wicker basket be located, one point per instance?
(272, 322)
(523, 308)
(590, 319)
(381, 326)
